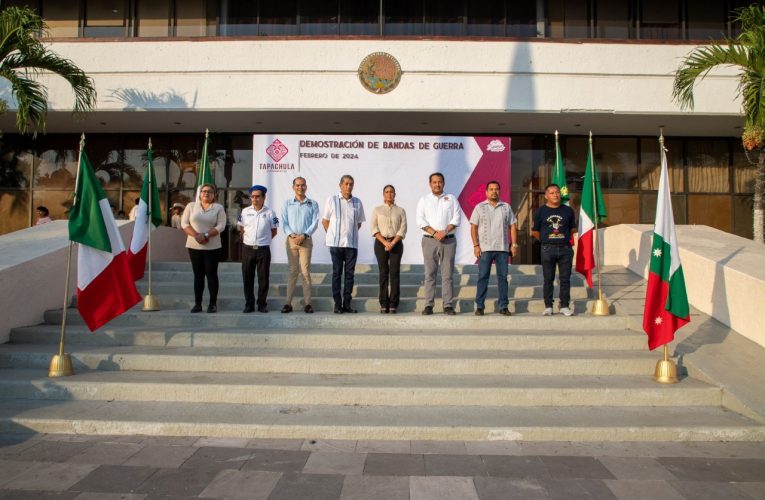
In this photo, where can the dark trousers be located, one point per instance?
(204, 263)
(389, 264)
(255, 260)
(343, 263)
(561, 256)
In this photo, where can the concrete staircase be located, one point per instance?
(361, 376)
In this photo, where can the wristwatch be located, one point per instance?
(515, 245)
(207, 235)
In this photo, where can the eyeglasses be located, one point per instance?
(207, 191)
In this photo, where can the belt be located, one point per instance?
(256, 247)
(445, 237)
(561, 245)
(389, 239)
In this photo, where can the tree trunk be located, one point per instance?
(759, 199)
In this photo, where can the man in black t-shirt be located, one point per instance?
(554, 225)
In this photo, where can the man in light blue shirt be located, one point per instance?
(300, 218)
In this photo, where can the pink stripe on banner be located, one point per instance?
(494, 165)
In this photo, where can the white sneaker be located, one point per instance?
(566, 311)
(547, 311)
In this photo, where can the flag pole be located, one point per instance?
(150, 302)
(600, 306)
(666, 369)
(61, 363)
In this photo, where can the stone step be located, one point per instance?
(374, 390)
(360, 291)
(337, 361)
(509, 339)
(368, 305)
(235, 278)
(467, 423)
(226, 319)
(224, 267)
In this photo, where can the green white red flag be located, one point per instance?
(666, 301)
(592, 209)
(559, 173)
(105, 287)
(139, 243)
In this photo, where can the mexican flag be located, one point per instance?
(105, 287)
(666, 302)
(139, 242)
(204, 175)
(593, 208)
(559, 173)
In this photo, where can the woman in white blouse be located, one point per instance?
(388, 226)
(203, 221)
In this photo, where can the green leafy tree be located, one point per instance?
(23, 57)
(747, 53)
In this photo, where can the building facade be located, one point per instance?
(169, 69)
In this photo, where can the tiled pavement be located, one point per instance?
(140, 467)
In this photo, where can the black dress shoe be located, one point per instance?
(248, 309)
(505, 312)
(262, 309)
(427, 311)
(212, 308)
(349, 309)
(449, 311)
(478, 312)
(287, 308)
(308, 308)
(197, 308)
(338, 309)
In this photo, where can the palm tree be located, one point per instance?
(23, 57)
(747, 52)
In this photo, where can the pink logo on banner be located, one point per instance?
(277, 150)
(494, 165)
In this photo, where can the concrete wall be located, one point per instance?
(33, 269)
(496, 76)
(724, 274)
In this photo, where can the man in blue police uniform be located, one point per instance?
(257, 226)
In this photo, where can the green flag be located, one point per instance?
(86, 223)
(204, 175)
(559, 173)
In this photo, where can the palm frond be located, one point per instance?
(31, 100)
(24, 57)
(698, 64)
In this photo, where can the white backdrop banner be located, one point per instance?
(405, 161)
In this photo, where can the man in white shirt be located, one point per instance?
(342, 218)
(489, 225)
(438, 215)
(257, 226)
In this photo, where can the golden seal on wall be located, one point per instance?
(379, 72)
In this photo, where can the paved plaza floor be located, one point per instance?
(48, 466)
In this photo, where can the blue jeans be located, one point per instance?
(484, 269)
(343, 269)
(561, 256)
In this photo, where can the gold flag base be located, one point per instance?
(600, 308)
(666, 372)
(60, 366)
(666, 369)
(150, 303)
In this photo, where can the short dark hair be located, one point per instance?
(43, 210)
(347, 177)
(436, 174)
(301, 178)
(493, 182)
(552, 184)
(389, 186)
